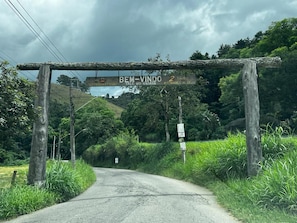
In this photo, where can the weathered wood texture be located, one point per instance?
(252, 117)
(38, 154)
(189, 64)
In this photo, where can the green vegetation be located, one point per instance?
(211, 108)
(63, 183)
(215, 105)
(23, 199)
(16, 115)
(219, 165)
(7, 172)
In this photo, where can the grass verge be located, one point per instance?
(221, 166)
(62, 183)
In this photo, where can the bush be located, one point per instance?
(21, 200)
(277, 185)
(273, 144)
(67, 182)
(62, 183)
(124, 146)
(94, 155)
(224, 159)
(11, 158)
(62, 179)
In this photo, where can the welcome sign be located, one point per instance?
(144, 80)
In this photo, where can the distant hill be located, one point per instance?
(123, 100)
(61, 94)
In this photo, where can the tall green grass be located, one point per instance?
(221, 165)
(62, 183)
(276, 186)
(24, 199)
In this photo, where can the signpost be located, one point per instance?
(181, 131)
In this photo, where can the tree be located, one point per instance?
(231, 97)
(277, 87)
(98, 123)
(65, 80)
(155, 110)
(16, 110)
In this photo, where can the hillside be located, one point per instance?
(61, 94)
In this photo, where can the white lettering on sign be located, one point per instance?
(140, 80)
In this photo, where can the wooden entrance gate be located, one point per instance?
(37, 165)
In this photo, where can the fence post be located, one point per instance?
(13, 178)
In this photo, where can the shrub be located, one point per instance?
(63, 180)
(124, 146)
(158, 157)
(21, 200)
(277, 185)
(224, 159)
(273, 145)
(94, 155)
(62, 183)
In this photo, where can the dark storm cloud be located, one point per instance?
(134, 30)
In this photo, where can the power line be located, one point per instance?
(42, 31)
(46, 36)
(15, 63)
(31, 28)
(36, 34)
(40, 38)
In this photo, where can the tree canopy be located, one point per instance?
(221, 94)
(65, 80)
(16, 112)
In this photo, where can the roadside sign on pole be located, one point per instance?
(181, 130)
(183, 146)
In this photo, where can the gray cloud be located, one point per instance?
(134, 30)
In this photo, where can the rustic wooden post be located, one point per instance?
(72, 122)
(38, 154)
(13, 178)
(252, 117)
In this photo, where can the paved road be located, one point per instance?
(127, 196)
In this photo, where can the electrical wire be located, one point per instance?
(37, 35)
(31, 28)
(6, 57)
(46, 36)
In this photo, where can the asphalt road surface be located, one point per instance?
(126, 196)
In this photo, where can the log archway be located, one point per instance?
(37, 166)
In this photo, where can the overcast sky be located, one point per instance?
(129, 30)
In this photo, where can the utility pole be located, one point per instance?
(166, 112)
(72, 121)
(181, 131)
(59, 146)
(54, 148)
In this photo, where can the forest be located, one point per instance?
(212, 107)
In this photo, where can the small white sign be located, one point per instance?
(181, 130)
(116, 160)
(182, 146)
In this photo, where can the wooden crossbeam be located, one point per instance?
(174, 65)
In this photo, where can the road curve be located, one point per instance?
(125, 196)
